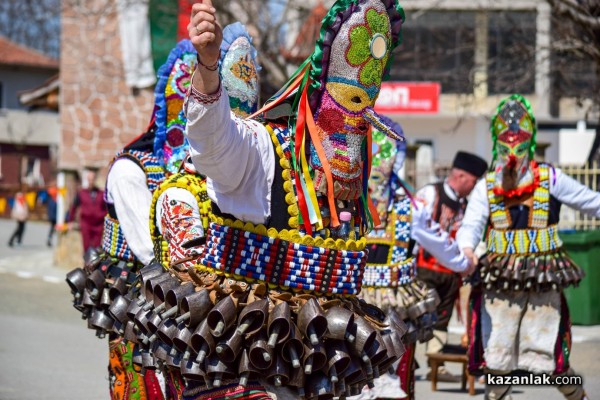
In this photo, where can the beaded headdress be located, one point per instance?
(174, 77)
(239, 69)
(513, 129)
(333, 93)
(513, 121)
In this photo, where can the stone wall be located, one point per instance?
(99, 114)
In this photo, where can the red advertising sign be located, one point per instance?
(409, 97)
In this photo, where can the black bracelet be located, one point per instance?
(208, 67)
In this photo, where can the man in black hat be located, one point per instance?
(446, 201)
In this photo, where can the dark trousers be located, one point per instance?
(51, 231)
(18, 233)
(447, 286)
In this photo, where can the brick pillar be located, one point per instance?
(99, 114)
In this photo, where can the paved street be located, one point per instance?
(47, 353)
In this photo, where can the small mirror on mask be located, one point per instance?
(378, 46)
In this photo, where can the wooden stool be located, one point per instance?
(435, 359)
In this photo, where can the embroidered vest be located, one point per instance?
(196, 185)
(538, 238)
(286, 258)
(390, 264)
(113, 241)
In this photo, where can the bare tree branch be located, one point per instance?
(576, 12)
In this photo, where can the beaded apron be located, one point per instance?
(399, 268)
(285, 259)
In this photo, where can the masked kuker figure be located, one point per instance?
(279, 270)
(179, 211)
(520, 318)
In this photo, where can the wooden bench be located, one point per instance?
(437, 359)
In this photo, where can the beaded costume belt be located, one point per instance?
(283, 263)
(386, 276)
(524, 241)
(113, 241)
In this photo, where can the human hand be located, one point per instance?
(472, 261)
(205, 32)
(470, 269)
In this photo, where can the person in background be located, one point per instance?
(51, 208)
(20, 213)
(446, 202)
(89, 201)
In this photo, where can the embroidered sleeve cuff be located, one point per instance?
(205, 98)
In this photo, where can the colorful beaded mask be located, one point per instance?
(170, 143)
(239, 69)
(332, 95)
(388, 160)
(357, 46)
(513, 133)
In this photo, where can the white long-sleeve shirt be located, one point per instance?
(127, 189)
(428, 234)
(235, 154)
(564, 188)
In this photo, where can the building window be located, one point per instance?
(511, 52)
(31, 171)
(437, 46)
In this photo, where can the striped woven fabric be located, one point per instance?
(252, 391)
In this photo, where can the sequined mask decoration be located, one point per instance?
(174, 79)
(331, 97)
(239, 70)
(513, 132)
(357, 61)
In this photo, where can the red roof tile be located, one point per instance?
(12, 53)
